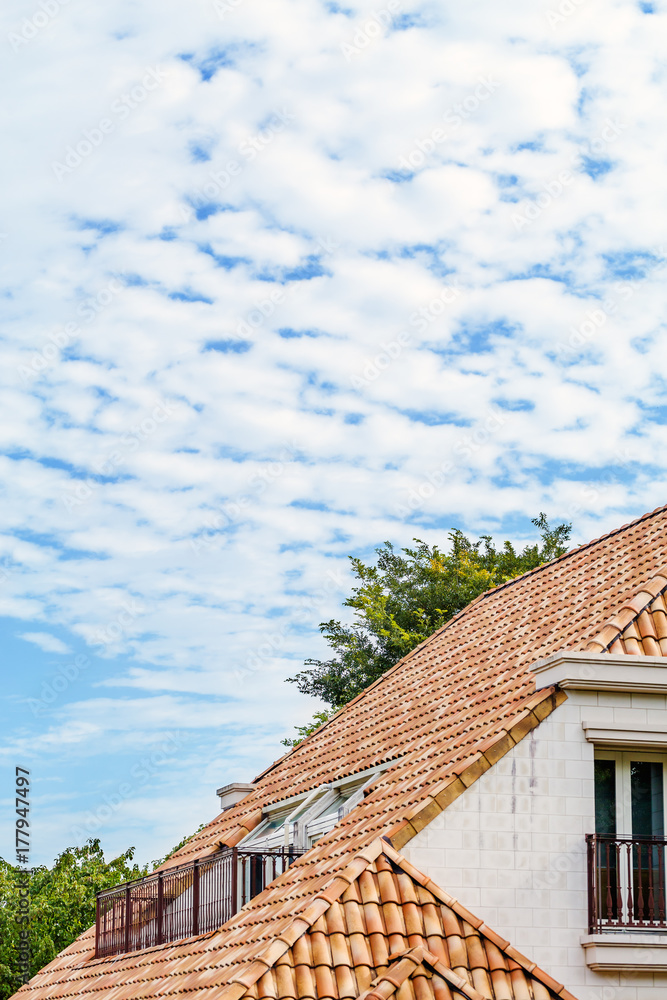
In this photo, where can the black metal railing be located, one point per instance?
(184, 901)
(626, 882)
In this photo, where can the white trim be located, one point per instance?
(626, 951)
(320, 805)
(603, 672)
(606, 734)
(292, 821)
(319, 826)
(349, 779)
(307, 816)
(355, 799)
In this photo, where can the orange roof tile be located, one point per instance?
(639, 626)
(331, 957)
(442, 716)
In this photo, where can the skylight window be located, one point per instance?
(302, 820)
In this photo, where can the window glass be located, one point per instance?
(605, 797)
(646, 790)
(269, 827)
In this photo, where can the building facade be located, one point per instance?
(513, 846)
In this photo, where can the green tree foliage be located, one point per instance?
(62, 905)
(404, 598)
(302, 731)
(182, 843)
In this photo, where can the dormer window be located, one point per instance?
(300, 821)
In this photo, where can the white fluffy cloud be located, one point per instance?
(48, 643)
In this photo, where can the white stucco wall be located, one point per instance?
(511, 848)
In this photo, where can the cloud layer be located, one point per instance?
(283, 280)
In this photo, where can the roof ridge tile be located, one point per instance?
(566, 555)
(464, 774)
(405, 965)
(300, 923)
(628, 612)
(492, 590)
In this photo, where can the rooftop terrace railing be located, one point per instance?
(626, 883)
(184, 901)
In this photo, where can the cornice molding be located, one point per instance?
(613, 736)
(603, 672)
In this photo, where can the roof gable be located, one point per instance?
(388, 928)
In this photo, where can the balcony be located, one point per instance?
(184, 901)
(626, 883)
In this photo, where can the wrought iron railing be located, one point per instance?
(184, 901)
(626, 882)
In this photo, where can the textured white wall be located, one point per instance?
(512, 847)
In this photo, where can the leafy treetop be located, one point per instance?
(405, 597)
(62, 905)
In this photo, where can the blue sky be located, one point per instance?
(282, 279)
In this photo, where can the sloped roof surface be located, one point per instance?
(448, 710)
(639, 626)
(386, 928)
(384, 932)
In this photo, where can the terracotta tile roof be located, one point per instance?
(391, 929)
(448, 710)
(639, 626)
(384, 928)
